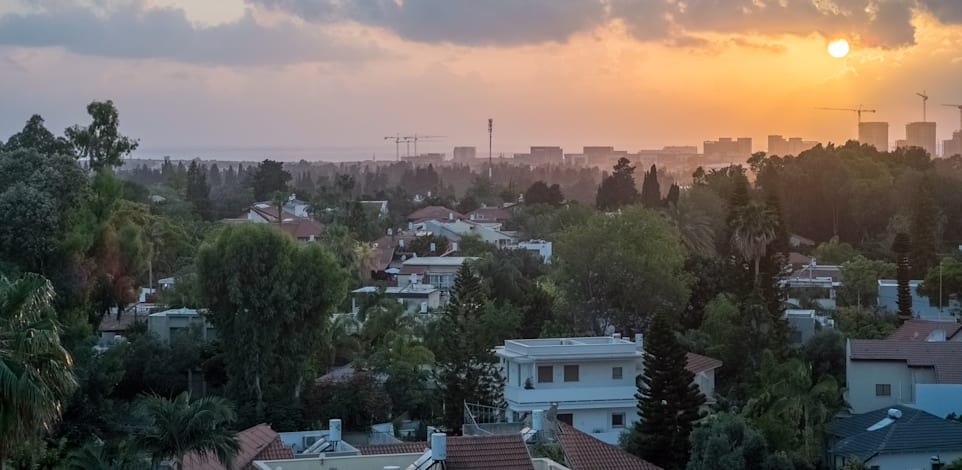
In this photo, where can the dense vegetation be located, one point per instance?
(695, 268)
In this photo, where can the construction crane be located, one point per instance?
(397, 144)
(925, 98)
(415, 138)
(858, 111)
(960, 113)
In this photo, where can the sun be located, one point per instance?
(838, 48)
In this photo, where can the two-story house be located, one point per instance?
(438, 271)
(168, 323)
(919, 366)
(592, 380)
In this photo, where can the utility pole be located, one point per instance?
(490, 134)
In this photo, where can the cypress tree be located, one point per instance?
(674, 193)
(651, 189)
(668, 401)
(901, 247)
(772, 266)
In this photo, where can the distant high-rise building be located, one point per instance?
(542, 155)
(921, 134)
(875, 134)
(901, 143)
(725, 147)
(777, 145)
(465, 154)
(952, 146)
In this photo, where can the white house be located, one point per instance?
(592, 380)
(415, 296)
(542, 247)
(168, 323)
(895, 438)
(438, 271)
(921, 307)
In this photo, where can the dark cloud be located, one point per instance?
(885, 23)
(132, 31)
(466, 22)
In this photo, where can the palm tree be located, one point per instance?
(94, 456)
(694, 226)
(178, 427)
(36, 372)
(754, 226)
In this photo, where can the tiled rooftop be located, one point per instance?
(914, 432)
(698, 363)
(257, 443)
(507, 452)
(919, 330)
(944, 357)
(583, 452)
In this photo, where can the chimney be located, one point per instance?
(334, 431)
(639, 341)
(537, 420)
(439, 447)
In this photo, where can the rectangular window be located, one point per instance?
(566, 418)
(616, 373)
(545, 374)
(883, 390)
(617, 420)
(571, 373)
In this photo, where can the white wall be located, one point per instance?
(911, 461)
(862, 376)
(597, 423)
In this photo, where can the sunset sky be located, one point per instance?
(636, 74)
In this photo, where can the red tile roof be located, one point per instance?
(257, 443)
(434, 212)
(919, 330)
(698, 363)
(507, 452)
(583, 452)
(944, 357)
(384, 247)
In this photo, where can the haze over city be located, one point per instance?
(240, 79)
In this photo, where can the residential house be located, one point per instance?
(921, 306)
(816, 282)
(455, 230)
(895, 438)
(584, 452)
(925, 374)
(434, 213)
(416, 296)
(292, 218)
(438, 271)
(168, 323)
(591, 380)
(542, 247)
(256, 443)
(804, 323)
(490, 214)
(928, 330)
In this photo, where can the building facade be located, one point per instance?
(465, 154)
(726, 147)
(921, 134)
(875, 134)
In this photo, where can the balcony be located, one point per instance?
(569, 397)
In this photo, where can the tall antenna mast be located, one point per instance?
(490, 136)
(925, 98)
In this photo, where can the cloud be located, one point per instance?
(883, 23)
(134, 32)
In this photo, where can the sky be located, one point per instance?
(332, 78)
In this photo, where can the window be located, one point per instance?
(545, 374)
(571, 373)
(616, 373)
(566, 418)
(617, 420)
(883, 390)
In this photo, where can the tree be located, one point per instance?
(540, 193)
(198, 191)
(674, 194)
(651, 189)
(694, 226)
(466, 367)
(619, 270)
(834, 252)
(35, 136)
(943, 282)
(860, 277)
(825, 353)
(901, 246)
(181, 426)
(668, 400)
(36, 372)
(270, 299)
(214, 176)
(618, 189)
(100, 142)
(753, 228)
(269, 177)
(31, 228)
(923, 233)
(728, 442)
(860, 323)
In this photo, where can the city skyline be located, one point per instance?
(636, 75)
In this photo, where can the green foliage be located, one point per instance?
(825, 351)
(269, 178)
(860, 323)
(93, 456)
(925, 229)
(695, 227)
(100, 142)
(901, 246)
(36, 372)
(620, 269)
(421, 246)
(753, 227)
(359, 400)
(860, 277)
(472, 245)
(270, 299)
(955, 465)
(180, 426)
(198, 191)
(834, 252)
(618, 189)
(651, 190)
(943, 281)
(36, 137)
(668, 400)
(728, 442)
(540, 193)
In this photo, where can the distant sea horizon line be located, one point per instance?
(335, 154)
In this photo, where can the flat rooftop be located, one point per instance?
(559, 348)
(437, 260)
